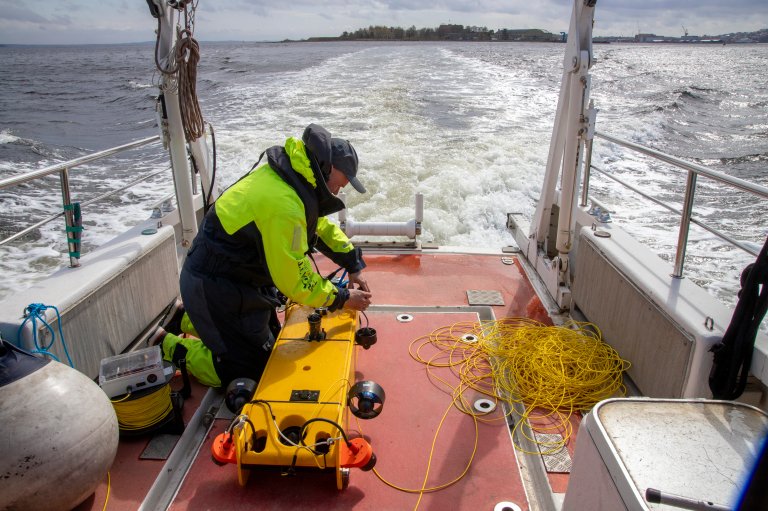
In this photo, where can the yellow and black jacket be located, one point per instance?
(260, 231)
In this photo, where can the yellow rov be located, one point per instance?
(296, 416)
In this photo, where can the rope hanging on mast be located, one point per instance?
(187, 57)
(183, 60)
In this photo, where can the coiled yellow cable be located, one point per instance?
(552, 371)
(145, 411)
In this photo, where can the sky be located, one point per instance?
(124, 21)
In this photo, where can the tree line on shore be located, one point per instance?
(442, 33)
(448, 32)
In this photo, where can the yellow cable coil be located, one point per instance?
(551, 371)
(143, 412)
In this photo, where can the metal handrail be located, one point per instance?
(82, 204)
(63, 170)
(686, 165)
(35, 174)
(666, 206)
(694, 170)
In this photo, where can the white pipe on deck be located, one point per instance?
(411, 228)
(352, 228)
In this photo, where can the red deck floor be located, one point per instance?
(401, 437)
(403, 434)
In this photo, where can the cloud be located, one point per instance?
(11, 11)
(118, 21)
(666, 17)
(459, 6)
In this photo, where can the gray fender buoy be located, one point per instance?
(59, 433)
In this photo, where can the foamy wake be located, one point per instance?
(7, 138)
(138, 86)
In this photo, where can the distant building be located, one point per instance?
(646, 38)
(530, 34)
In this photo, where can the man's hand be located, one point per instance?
(357, 278)
(358, 300)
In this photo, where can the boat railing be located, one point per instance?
(70, 210)
(686, 218)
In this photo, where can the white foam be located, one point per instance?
(139, 86)
(7, 138)
(431, 129)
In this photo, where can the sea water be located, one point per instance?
(466, 124)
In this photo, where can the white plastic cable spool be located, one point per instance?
(469, 338)
(506, 506)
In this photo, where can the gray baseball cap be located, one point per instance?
(344, 158)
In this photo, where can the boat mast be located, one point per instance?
(573, 123)
(170, 119)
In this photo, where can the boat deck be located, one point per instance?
(421, 440)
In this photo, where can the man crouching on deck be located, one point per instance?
(256, 240)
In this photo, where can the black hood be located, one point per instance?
(317, 142)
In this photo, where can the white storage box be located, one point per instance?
(702, 450)
(131, 372)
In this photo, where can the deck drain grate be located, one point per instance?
(558, 461)
(159, 447)
(484, 297)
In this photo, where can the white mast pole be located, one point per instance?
(563, 148)
(177, 147)
(564, 159)
(580, 60)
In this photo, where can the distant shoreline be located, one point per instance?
(601, 40)
(675, 43)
